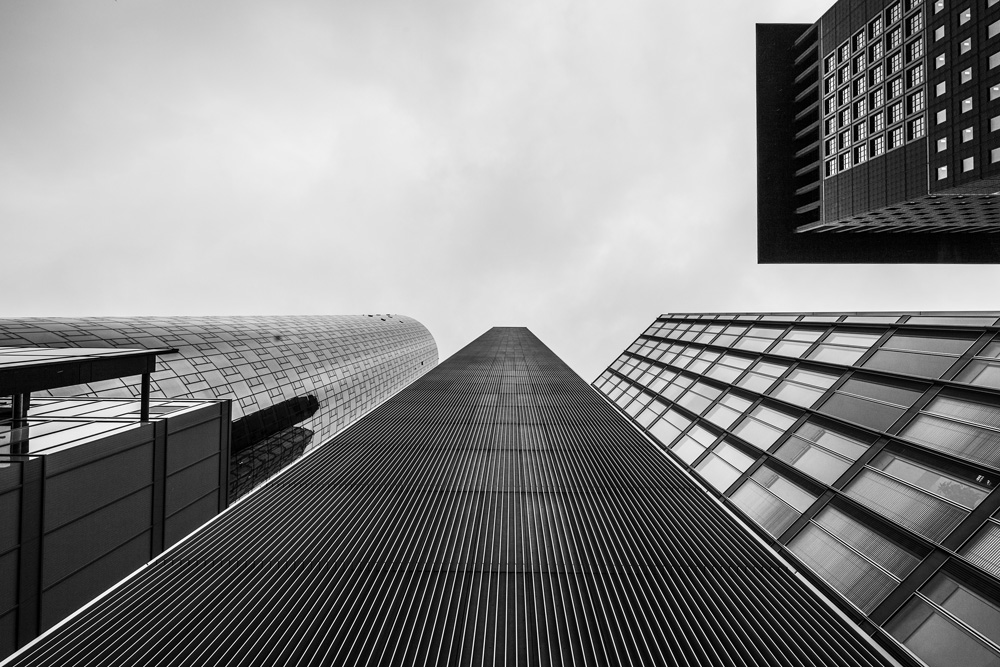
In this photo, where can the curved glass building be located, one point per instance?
(294, 381)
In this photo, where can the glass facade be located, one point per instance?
(294, 381)
(864, 447)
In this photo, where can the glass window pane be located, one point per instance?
(937, 640)
(734, 456)
(910, 363)
(788, 491)
(881, 392)
(844, 445)
(763, 508)
(872, 544)
(812, 460)
(717, 472)
(757, 433)
(927, 344)
(789, 348)
(876, 415)
(797, 394)
(848, 572)
(920, 512)
(924, 476)
(984, 549)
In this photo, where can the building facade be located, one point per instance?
(93, 489)
(881, 116)
(293, 381)
(864, 447)
(496, 511)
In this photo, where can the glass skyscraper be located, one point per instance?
(294, 381)
(864, 447)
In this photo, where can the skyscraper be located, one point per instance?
(880, 117)
(496, 511)
(864, 447)
(294, 381)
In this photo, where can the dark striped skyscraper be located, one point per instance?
(865, 448)
(498, 511)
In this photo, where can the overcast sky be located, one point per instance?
(576, 167)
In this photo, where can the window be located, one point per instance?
(942, 173)
(729, 408)
(843, 347)
(939, 33)
(994, 123)
(994, 92)
(966, 75)
(914, 50)
(935, 624)
(763, 426)
(894, 13)
(895, 88)
(692, 444)
(723, 466)
(938, 6)
(873, 404)
(844, 96)
(895, 62)
(965, 46)
(876, 98)
(942, 145)
(845, 52)
(896, 113)
(965, 17)
(994, 155)
(859, 41)
(984, 546)
(762, 376)
(916, 128)
(845, 118)
(876, 51)
(831, 63)
(992, 30)
(894, 39)
(915, 102)
(860, 86)
(860, 108)
(669, 427)
(966, 429)
(875, 27)
(912, 354)
(820, 452)
(698, 397)
(729, 367)
(915, 494)
(876, 75)
(940, 89)
(877, 148)
(895, 137)
(967, 135)
(968, 164)
(831, 126)
(994, 60)
(758, 339)
(914, 24)
(860, 131)
(771, 500)
(941, 116)
(859, 64)
(939, 61)
(915, 76)
(967, 105)
(860, 563)
(797, 341)
(804, 387)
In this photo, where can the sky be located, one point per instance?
(574, 166)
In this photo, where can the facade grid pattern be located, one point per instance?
(866, 447)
